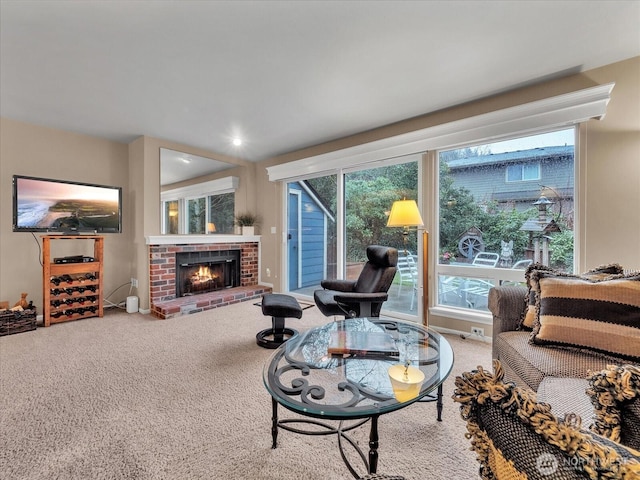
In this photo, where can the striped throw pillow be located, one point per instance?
(601, 315)
(531, 276)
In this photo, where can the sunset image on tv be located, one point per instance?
(61, 206)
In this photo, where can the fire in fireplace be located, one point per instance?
(202, 272)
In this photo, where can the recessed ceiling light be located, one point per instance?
(237, 141)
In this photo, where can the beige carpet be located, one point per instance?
(130, 397)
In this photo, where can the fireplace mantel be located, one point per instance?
(191, 239)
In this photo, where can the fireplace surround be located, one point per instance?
(163, 249)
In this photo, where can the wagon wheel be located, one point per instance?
(470, 245)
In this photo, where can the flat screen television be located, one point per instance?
(60, 206)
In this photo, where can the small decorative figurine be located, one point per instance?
(23, 301)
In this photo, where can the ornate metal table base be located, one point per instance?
(370, 462)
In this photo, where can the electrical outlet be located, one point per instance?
(134, 282)
(477, 331)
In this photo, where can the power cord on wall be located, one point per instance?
(39, 249)
(121, 305)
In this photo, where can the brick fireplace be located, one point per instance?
(163, 270)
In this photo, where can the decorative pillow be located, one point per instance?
(529, 319)
(601, 315)
(516, 437)
(615, 394)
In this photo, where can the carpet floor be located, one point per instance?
(130, 397)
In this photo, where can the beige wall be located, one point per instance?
(610, 181)
(43, 152)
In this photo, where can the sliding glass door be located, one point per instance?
(331, 220)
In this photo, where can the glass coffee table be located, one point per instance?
(302, 377)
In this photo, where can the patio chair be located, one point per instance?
(521, 264)
(485, 259)
(362, 297)
(408, 272)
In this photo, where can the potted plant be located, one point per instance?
(246, 221)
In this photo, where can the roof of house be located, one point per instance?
(516, 156)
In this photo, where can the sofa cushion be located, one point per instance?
(567, 395)
(601, 316)
(528, 364)
(531, 276)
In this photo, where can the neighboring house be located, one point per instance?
(517, 179)
(307, 253)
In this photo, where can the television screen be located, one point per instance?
(47, 205)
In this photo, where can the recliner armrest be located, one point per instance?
(339, 285)
(364, 300)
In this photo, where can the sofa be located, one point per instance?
(529, 364)
(574, 340)
(563, 325)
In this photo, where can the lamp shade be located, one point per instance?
(405, 213)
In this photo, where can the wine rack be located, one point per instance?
(72, 290)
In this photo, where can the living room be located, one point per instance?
(607, 178)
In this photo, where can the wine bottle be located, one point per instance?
(56, 303)
(69, 301)
(90, 276)
(92, 309)
(56, 314)
(92, 288)
(69, 290)
(56, 291)
(55, 280)
(69, 312)
(67, 278)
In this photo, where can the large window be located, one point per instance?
(503, 206)
(478, 207)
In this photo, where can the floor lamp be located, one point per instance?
(405, 214)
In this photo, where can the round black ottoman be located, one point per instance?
(278, 307)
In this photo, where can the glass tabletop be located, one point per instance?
(303, 377)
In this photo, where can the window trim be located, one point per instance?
(550, 113)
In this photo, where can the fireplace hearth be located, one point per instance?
(208, 271)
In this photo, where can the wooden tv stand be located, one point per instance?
(79, 292)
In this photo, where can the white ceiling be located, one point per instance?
(285, 74)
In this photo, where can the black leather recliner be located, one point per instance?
(362, 297)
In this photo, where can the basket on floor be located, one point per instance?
(17, 322)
